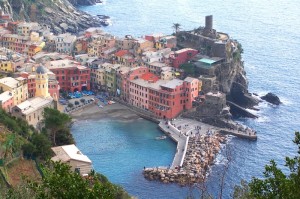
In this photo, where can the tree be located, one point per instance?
(76, 103)
(276, 183)
(64, 137)
(60, 182)
(42, 146)
(55, 121)
(176, 27)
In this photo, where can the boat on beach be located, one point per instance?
(161, 137)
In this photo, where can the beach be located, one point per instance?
(113, 111)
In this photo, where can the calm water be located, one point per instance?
(269, 33)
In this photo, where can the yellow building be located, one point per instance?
(41, 82)
(18, 87)
(98, 77)
(7, 66)
(142, 45)
(32, 109)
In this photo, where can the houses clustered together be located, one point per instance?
(143, 72)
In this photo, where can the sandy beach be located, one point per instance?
(114, 111)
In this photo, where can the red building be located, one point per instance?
(72, 76)
(167, 99)
(182, 56)
(13, 26)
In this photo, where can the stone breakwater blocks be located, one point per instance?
(200, 155)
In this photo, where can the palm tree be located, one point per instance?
(176, 27)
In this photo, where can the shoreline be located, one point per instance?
(114, 111)
(197, 143)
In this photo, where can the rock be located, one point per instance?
(271, 98)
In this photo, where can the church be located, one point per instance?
(32, 109)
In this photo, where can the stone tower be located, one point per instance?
(208, 29)
(41, 82)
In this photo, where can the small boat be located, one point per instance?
(100, 106)
(161, 137)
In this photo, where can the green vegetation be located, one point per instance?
(237, 55)
(60, 182)
(276, 183)
(57, 123)
(176, 27)
(189, 69)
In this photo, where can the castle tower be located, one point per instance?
(41, 82)
(209, 22)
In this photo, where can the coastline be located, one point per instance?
(114, 111)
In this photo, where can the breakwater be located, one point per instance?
(200, 154)
(197, 146)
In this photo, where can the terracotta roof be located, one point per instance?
(121, 53)
(149, 77)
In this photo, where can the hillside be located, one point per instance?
(59, 15)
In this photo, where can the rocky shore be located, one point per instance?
(201, 153)
(60, 16)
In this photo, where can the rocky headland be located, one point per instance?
(59, 15)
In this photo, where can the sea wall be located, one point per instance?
(200, 154)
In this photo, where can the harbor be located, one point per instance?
(197, 147)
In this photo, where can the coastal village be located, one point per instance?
(149, 75)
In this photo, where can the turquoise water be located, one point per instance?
(120, 150)
(270, 34)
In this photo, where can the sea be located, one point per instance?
(269, 32)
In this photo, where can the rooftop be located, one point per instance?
(5, 96)
(34, 104)
(207, 61)
(121, 53)
(150, 77)
(189, 79)
(69, 152)
(173, 83)
(10, 82)
(184, 50)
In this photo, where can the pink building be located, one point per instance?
(6, 101)
(182, 56)
(139, 92)
(168, 99)
(134, 73)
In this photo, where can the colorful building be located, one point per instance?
(6, 101)
(32, 110)
(111, 77)
(71, 75)
(17, 86)
(65, 43)
(167, 99)
(139, 92)
(166, 42)
(142, 45)
(7, 66)
(182, 56)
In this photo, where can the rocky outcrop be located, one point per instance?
(84, 2)
(271, 98)
(60, 16)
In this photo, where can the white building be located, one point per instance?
(71, 155)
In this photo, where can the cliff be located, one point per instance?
(59, 15)
(226, 71)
